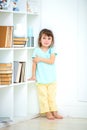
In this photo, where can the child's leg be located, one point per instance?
(52, 97)
(43, 98)
(43, 101)
(52, 100)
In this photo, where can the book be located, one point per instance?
(5, 68)
(5, 71)
(18, 46)
(6, 34)
(22, 77)
(5, 82)
(5, 79)
(3, 33)
(19, 42)
(9, 36)
(5, 64)
(20, 39)
(17, 71)
(6, 75)
(30, 42)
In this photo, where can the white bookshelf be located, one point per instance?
(19, 100)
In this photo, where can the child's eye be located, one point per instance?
(44, 38)
(49, 38)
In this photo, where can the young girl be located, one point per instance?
(43, 71)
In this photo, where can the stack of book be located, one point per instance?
(19, 71)
(6, 36)
(5, 73)
(20, 41)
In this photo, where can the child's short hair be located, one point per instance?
(46, 32)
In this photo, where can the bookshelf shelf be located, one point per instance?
(19, 84)
(19, 12)
(5, 86)
(32, 13)
(5, 49)
(30, 82)
(5, 11)
(16, 98)
(24, 48)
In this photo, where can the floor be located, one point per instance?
(41, 123)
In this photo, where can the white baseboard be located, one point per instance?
(76, 111)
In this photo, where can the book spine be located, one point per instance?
(19, 71)
(6, 36)
(30, 42)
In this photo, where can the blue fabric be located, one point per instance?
(45, 73)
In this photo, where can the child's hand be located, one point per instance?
(37, 59)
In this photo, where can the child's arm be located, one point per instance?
(50, 60)
(33, 71)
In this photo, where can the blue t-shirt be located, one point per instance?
(45, 73)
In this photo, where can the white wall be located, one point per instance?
(82, 50)
(63, 17)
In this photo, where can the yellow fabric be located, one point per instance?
(46, 95)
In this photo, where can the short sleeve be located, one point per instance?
(53, 50)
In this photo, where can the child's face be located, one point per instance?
(46, 41)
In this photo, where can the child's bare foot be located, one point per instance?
(56, 115)
(49, 116)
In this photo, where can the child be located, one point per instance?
(43, 71)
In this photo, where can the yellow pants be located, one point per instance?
(46, 95)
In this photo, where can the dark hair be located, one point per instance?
(46, 32)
